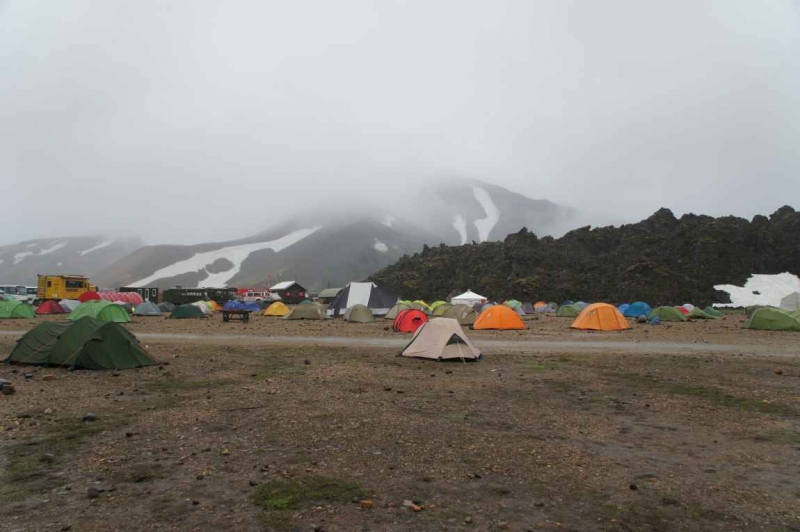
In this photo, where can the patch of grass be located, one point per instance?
(289, 494)
(271, 365)
(713, 395)
(780, 436)
(29, 462)
(540, 366)
(171, 384)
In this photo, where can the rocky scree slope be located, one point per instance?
(662, 260)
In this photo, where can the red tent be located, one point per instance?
(50, 307)
(683, 310)
(88, 296)
(409, 320)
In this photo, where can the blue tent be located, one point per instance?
(233, 305)
(623, 308)
(252, 306)
(637, 309)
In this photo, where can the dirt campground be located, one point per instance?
(252, 435)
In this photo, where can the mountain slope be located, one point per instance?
(321, 249)
(470, 210)
(661, 260)
(20, 263)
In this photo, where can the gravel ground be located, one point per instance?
(271, 437)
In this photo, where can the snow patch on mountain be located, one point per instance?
(760, 290)
(101, 245)
(380, 246)
(485, 225)
(388, 220)
(21, 255)
(32, 245)
(461, 226)
(235, 254)
(54, 247)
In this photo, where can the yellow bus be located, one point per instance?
(62, 287)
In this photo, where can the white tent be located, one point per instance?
(376, 299)
(468, 298)
(791, 302)
(441, 339)
(202, 305)
(69, 304)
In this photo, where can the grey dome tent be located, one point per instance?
(378, 300)
(463, 314)
(147, 308)
(358, 314)
(791, 302)
(395, 310)
(306, 312)
(166, 306)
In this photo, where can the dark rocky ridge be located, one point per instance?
(661, 260)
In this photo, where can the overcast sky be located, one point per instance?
(159, 117)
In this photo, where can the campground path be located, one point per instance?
(487, 345)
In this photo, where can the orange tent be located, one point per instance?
(539, 304)
(601, 317)
(498, 317)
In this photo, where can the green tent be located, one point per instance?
(183, 312)
(16, 309)
(568, 311)
(420, 305)
(307, 312)
(101, 310)
(748, 311)
(697, 314)
(395, 310)
(666, 314)
(713, 312)
(358, 314)
(513, 303)
(772, 319)
(464, 314)
(86, 343)
(441, 309)
(435, 304)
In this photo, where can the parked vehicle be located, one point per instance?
(62, 287)
(16, 292)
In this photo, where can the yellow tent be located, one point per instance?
(278, 308)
